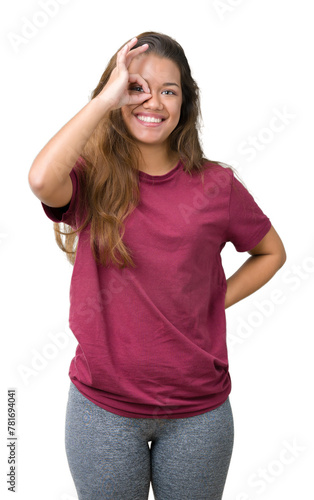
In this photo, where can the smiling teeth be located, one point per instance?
(149, 119)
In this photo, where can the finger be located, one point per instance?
(134, 78)
(121, 56)
(128, 46)
(139, 98)
(132, 42)
(135, 52)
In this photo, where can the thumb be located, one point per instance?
(139, 98)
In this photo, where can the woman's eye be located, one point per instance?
(137, 89)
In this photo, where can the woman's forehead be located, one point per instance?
(155, 67)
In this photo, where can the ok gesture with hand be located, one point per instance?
(117, 91)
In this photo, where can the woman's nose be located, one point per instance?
(153, 102)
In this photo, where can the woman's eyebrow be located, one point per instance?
(167, 84)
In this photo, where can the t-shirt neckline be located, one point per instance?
(143, 176)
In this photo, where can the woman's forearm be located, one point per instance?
(251, 276)
(55, 161)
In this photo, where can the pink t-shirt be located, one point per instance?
(152, 339)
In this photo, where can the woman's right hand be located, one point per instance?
(116, 91)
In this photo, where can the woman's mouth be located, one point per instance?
(149, 120)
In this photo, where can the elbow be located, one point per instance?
(281, 258)
(283, 255)
(279, 251)
(34, 180)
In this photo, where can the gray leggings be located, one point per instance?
(110, 458)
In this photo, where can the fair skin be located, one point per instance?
(139, 85)
(266, 259)
(165, 102)
(152, 122)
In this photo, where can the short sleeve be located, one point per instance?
(247, 223)
(69, 213)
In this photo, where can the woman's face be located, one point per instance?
(153, 121)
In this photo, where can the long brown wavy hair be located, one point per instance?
(111, 156)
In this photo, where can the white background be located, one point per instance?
(253, 62)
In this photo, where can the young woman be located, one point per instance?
(144, 217)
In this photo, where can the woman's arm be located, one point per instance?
(266, 259)
(49, 175)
